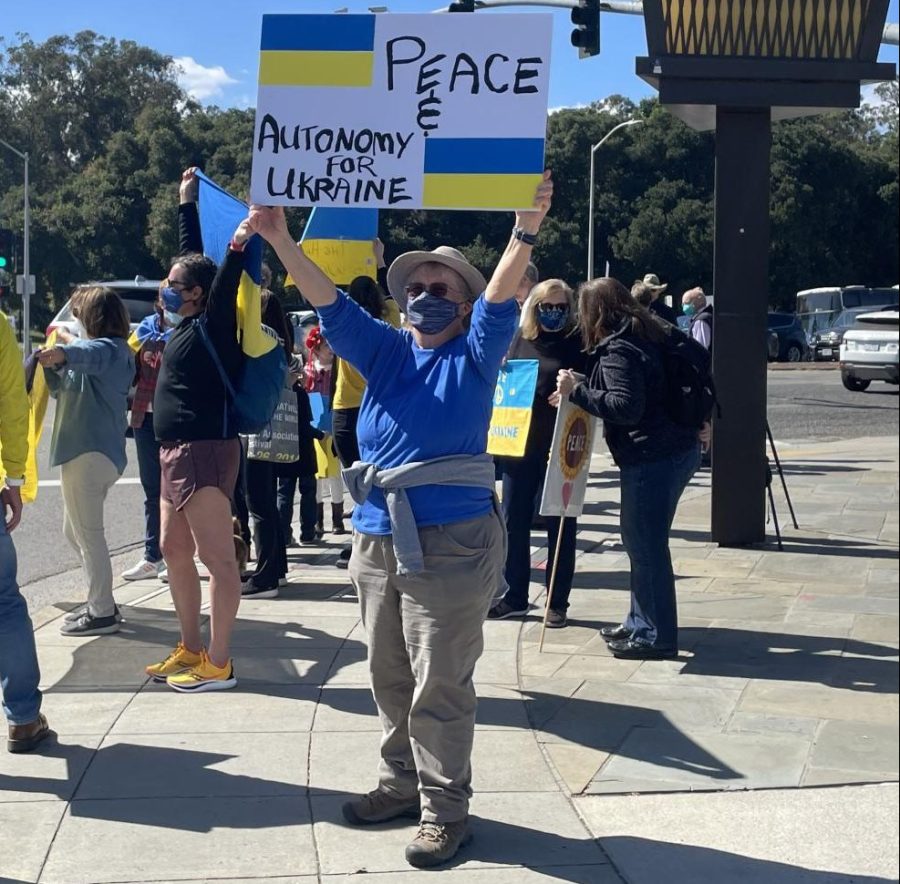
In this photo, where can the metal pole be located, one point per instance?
(590, 266)
(26, 269)
(590, 260)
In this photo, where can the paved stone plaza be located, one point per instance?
(587, 768)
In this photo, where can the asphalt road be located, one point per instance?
(803, 405)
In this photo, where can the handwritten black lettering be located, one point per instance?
(526, 73)
(393, 60)
(465, 66)
(488, 65)
(425, 71)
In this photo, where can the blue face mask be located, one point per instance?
(430, 314)
(688, 309)
(553, 319)
(172, 300)
(174, 319)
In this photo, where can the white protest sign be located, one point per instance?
(569, 463)
(401, 111)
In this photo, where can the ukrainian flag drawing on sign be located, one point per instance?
(317, 50)
(513, 403)
(220, 214)
(481, 172)
(340, 242)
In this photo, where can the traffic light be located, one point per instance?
(586, 35)
(7, 248)
(462, 6)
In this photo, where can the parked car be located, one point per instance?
(792, 343)
(138, 294)
(825, 343)
(774, 346)
(870, 350)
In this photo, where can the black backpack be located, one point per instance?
(691, 393)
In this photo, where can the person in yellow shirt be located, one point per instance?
(19, 672)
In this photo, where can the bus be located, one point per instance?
(818, 308)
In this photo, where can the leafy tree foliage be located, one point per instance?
(109, 131)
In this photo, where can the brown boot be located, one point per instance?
(337, 519)
(26, 737)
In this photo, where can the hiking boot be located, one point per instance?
(144, 570)
(504, 610)
(437, 843)
(26, 737)
(180, 660)
(205, 676)
(556, 619)
(379, 807)
(85, 624)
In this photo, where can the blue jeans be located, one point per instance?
(148, 468)
(650, 495)
(19, 673)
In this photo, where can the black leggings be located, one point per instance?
(343, 430)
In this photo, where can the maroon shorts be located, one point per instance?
(189, 466)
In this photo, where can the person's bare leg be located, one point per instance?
(177, 543)
(208, 512)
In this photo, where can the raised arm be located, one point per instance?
(270, 224)
(514, 261)
(189, 236)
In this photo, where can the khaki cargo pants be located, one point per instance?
(425, 637)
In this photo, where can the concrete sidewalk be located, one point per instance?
(587, 769)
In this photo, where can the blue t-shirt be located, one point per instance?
(422, 404)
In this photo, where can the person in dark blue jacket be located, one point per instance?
(626, 387)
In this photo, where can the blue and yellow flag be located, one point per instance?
(220, 214)
(339, 243)
(513, 404)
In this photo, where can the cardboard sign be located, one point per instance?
(401, 111)
(321, 412)
(513, 403)
(570, 461)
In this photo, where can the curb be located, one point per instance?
(804, 366)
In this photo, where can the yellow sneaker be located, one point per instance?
(180, 660)
(205, 676)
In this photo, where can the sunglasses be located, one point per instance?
(438, 289)
(552, 308)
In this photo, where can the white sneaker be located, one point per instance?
(144, 570)
(164, 575)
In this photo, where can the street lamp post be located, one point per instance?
(590, 261)
(26, 256)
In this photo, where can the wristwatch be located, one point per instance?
(530, 239)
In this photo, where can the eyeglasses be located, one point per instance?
(172, 283)
(438, 289)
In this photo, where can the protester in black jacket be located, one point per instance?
(546, 335)
(627, 389)
(200, 452)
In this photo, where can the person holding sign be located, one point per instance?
(429, 542)
(657, 456)
(546, 335)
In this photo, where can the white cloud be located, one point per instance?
(200, 82)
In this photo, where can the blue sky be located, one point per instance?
(217, 40)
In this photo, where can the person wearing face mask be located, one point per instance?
(548, 320)
(148, 341)
(700, 315)
(200, 451)
(429, 543)
(89, 378)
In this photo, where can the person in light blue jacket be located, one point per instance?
(89, 379)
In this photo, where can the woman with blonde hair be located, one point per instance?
(89, 379)
(547, 335)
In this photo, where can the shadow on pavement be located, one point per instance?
(683, 863)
